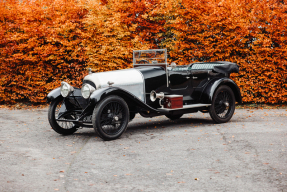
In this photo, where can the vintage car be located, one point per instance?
(107, 101)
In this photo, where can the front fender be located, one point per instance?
(54, 94)
(130, 99)
(57, 93)
(209, 90)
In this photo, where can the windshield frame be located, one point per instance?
(142, 55)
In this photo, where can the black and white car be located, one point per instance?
(107, 101)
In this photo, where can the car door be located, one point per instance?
(178, 80)
(180, 84)
(198, 78)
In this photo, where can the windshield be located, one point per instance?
(150, 57)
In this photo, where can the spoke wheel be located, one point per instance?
(110, 117)
(223, 105)
(61, 127)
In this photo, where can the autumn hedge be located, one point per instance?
(44, 42)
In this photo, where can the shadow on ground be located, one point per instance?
(149, 124)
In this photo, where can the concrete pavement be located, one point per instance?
(191, 154)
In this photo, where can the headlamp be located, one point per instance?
(87, 90)
(66, 89)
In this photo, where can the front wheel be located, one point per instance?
(223, 104)
(111, 117)
(61, 127)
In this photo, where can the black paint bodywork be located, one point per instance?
(196, 86)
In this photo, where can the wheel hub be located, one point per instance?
(223, 105)
(226, 104)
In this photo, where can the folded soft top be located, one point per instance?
(217, 66)
(227, 67)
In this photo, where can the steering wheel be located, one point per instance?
(143, 61)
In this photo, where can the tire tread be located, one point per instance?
(211, 109)
(51, 118)
(95, 117)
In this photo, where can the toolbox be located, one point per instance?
(173, 101)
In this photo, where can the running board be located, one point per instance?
(186, 107)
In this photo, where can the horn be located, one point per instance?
(154, 95)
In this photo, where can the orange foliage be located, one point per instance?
(45, 42)
(40, 45)
(108, 40)
(251, 33)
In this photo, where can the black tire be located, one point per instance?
(223, 105)
(111, 117)
(61, 127)
(174, 117)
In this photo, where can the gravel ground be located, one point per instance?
(191, 154)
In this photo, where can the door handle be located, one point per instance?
(187, 77)
(194, 77)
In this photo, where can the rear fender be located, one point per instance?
(210, 89)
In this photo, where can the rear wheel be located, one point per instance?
(110, 117)
(61, 127)
(223, 105)
(174, 117)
